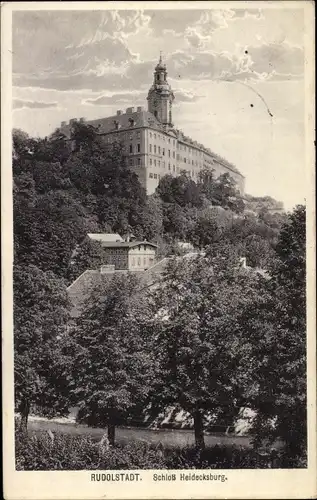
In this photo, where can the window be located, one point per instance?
(130, 149)
(130, 162)
(155, 114)
(151, 175)
(138, 135)
(150, 161)
(154, 149)
(144, 261)
(169, 166)
(139, 161)
(169, 153)
(154, 163)
(150, 134)
(164, 138)
(138, 148)
(159, 163)
(154, 136)
(173, 168)
(150, 148)
(169, 141)
(173, 154)
(184, 159)
(155, 176)
(131, 137)
(133, 261)
(139, 261)
(159, 150)
(163, 151)
(159, 176)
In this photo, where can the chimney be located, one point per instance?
(139, 108)
(130, 110)
(82, 119)
(119, 112)
(63, 124)
(73, 120)
(107, 268)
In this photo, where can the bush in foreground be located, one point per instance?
(59, 451)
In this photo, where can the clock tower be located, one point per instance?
(160, 96)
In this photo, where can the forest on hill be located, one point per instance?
(66, 189)
(211, 339)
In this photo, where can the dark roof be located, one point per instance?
(82, 288)
(125, 244)
(123, 122)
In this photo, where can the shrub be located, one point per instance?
(58, 451)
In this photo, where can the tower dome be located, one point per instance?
(160, 96)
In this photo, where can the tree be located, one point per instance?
(277, 326)
(200, 336)
(113, 366)
(41, 364)
(180, 190)
(88, 255)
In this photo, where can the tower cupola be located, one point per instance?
(160, 96)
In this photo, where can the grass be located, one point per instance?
(65, 451)
(172, 438)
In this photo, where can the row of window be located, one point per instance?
(134, 161)
(117, 251)
(158, 149)
(160, 164)
(162, 137)
(137, 148)
(187, 160)
(191, 173)
(124, 136)
(137, 262)
(190, 150)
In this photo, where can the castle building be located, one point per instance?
(153, 147)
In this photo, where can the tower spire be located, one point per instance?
(160, 96)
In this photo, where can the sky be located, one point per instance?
(237, 76)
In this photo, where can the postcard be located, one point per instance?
(158, 242)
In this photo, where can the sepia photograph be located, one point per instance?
(159, 240)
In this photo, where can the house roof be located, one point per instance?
(125, 121)
(105, 237)
(112, 240)
(126, 244)
(82, 288)
(140, 119)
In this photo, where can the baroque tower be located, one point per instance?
(160, 96)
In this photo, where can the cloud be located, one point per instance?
(92, 51)
(281, 58)
(247, 13)
(19, 104)
(105, 100)
(185, 96)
